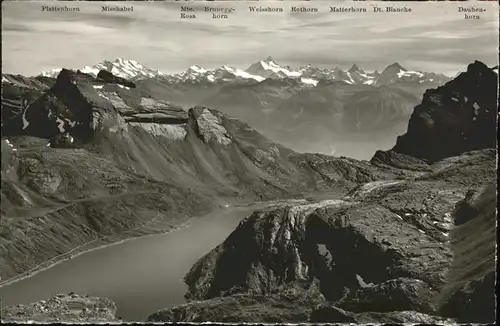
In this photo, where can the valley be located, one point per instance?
(93, 159)
(210, 162)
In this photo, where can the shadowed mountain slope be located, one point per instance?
(457, 117)
(470, 292)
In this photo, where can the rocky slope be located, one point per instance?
(418, 248)
(17, 93)
(95, 159)
(67, 308)
(470, 291)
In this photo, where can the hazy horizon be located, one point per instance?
(434, 38)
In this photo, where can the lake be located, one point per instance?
(141, 276)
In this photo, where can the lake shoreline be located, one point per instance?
(83, 250)
(134, 234)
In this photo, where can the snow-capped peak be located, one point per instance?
(395, 66)
(269, 67)
(196, 73)
(403, 73)
(356, 68)
(274, 67)
(197, 69)
(51, 73)
(308, 75)
(242, 74)
(269, 59)
(357, 75)
(129, 69)
(395, 73)
(309, 81)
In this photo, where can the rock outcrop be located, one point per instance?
(452, 119)
(290, 305)
(400, 294)
(329, 314)
(67, 308)
(112, 79)
(69, 106)
(331, 241)
(18, 92)
(84, 107)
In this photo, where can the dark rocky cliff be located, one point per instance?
(452, 119)
(112, 79)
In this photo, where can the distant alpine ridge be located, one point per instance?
(128, 69)
(261, 70)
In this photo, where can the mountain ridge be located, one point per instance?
(102, 139)
(353, 104)
(89, 158)
(258, 71)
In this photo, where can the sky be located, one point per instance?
(434, 37)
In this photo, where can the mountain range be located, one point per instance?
(406, 237)
(283, 103)
(259, 71)
(99, 150)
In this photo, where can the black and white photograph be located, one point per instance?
(249, 162)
